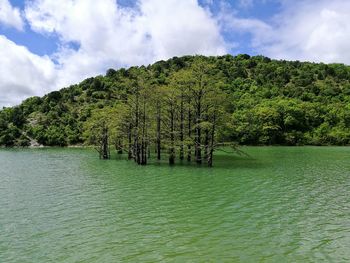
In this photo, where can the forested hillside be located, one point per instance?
(251, 100)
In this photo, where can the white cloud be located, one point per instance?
(106, 35)
(308, 30)
(180, 28)
(109, 35)
(312, 30)
(232, 23)
(10, 16)
(318, 31)
(22, 74)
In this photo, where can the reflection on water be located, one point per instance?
(281, 205)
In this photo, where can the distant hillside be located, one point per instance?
(268, 102)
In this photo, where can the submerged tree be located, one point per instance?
(138, 104)
(102, 130)
(179, 116)
(170, 123)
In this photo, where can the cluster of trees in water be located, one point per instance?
(181, 118)
(191, 104)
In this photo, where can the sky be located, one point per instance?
(46, 45)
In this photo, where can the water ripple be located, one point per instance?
(285, 205)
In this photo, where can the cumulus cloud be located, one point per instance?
(97, 35)
(10, 16)
(157, 29)
(307, 30)
(232, 23)
(109, 35)
(310, 30)
(22, 73)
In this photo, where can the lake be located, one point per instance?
(281, 204)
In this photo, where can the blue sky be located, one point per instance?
(42, 44)
(49, 44)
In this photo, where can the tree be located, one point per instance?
(267, 101)
(200, 71)
(171, 113)
(102, 128)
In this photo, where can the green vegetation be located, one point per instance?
(190, 105)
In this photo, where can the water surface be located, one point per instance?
(280, 205)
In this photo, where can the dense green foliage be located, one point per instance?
(267, 102)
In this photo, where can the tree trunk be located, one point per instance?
(212, 141)
(172, 137)
(158, 147)
(144, 132)
(210, 158)
(189, 150)
(206, 144)
(181, 156)
(129, 143)
(119, 147)
(137, 150)
(105, 150)
(206, 139)
(198, 149)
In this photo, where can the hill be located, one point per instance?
(267, 102)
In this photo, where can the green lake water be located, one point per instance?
(281, 204)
